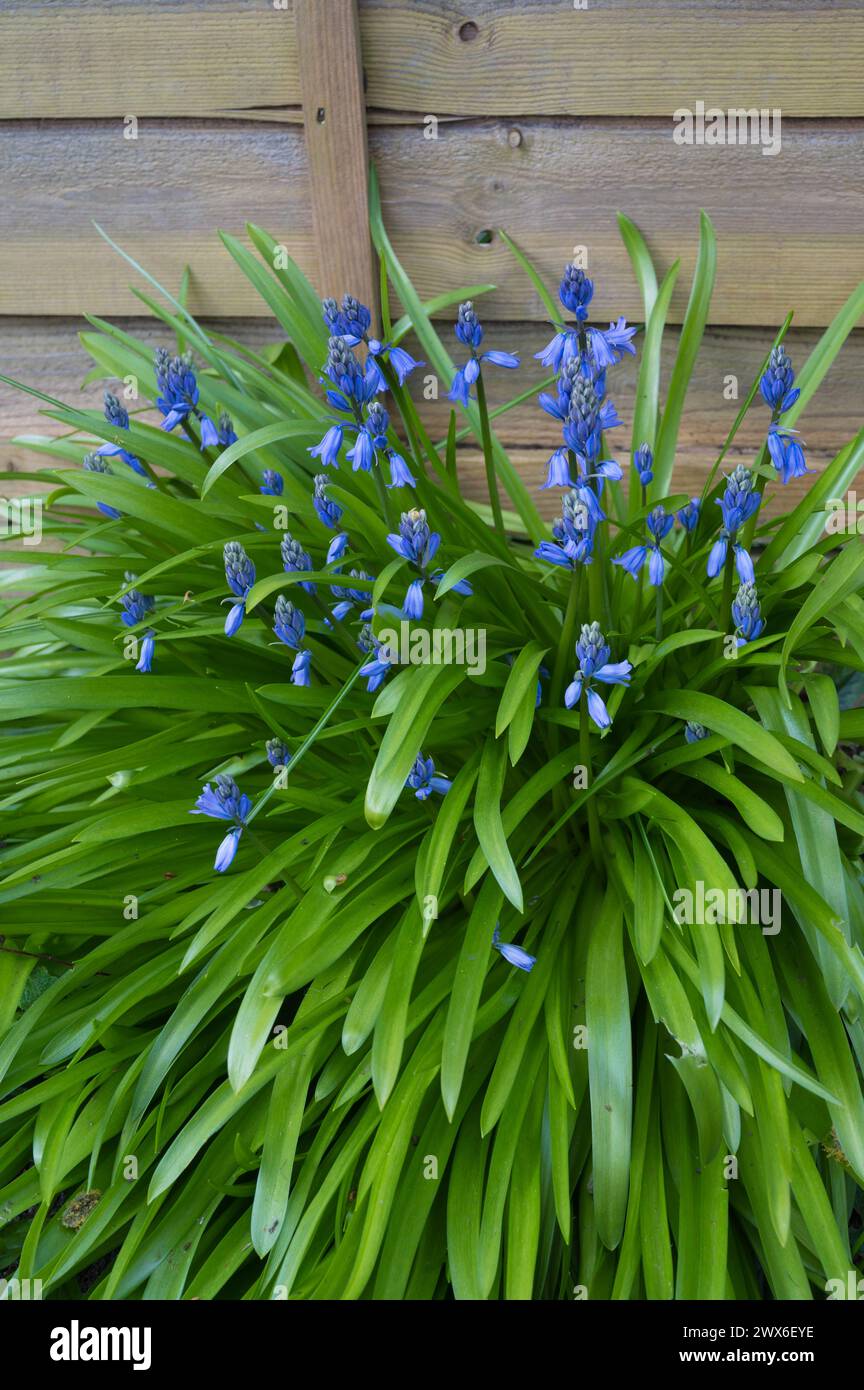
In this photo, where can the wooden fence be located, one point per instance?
(166, 119)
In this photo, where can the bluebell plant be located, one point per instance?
(117, 414)
(364, 928)
(295, 559)
(424, 780)
(469, 331)
(593, 653)
(780, 394)
(353, 322)
(747, 615)
(94, 463)
(179, 395)
(240, 575)
(740, 501)
(225, 801)
(136, 608)
(513, 954)
(659, 523)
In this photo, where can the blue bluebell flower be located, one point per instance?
(351, 385)
(289, 626)
(240, 574)
(328, 448)
(576, 291)
(574, 530)
(643, 462)
(225, 432)
(295, 558)
(136, 607)
(178, 395)
(593, 349)
(779, 392)
(739, 502)
(423, 780)
(583, 428)
(694, 732)
(659, 523)
(469, 331)
(513, 954)
(416, 543)
(376, 669)
(329, 514)
(592, 653)
(584, 414)
(688, 515)
(372, 441)
(117, 414)
(746, 615)
(558, 470)
(209, 432)
(353, 321)
(461, 586)
(786, 453)
(400, 473)
(94, 464)
(224, 801)
(606, 345)
(401, 361)
(277, 752)
(776, 382)
(272, 483)
(349, 599)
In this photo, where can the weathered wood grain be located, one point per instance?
(469, 57)
(162, 196)
(46, 354)
(147, 58)
(789, 228)
(334, 113)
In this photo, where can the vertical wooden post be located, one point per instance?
(334, 112)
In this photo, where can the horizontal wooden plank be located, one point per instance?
(147, 58)
(47, 355)
(162, 197)
(788, 227)
(485, 57)
(551, 57)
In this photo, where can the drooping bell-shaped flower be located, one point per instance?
(423, 780)
(513, 954)
(592, 654)
(240, 574)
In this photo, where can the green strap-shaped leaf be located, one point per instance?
(488, 822)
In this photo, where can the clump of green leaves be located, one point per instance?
(313, 1076)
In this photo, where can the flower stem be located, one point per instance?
(658, 613)
(308, 740)
(585, 759)
(565, 641)
(382, 494)
(488, 459)
(728, 570)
